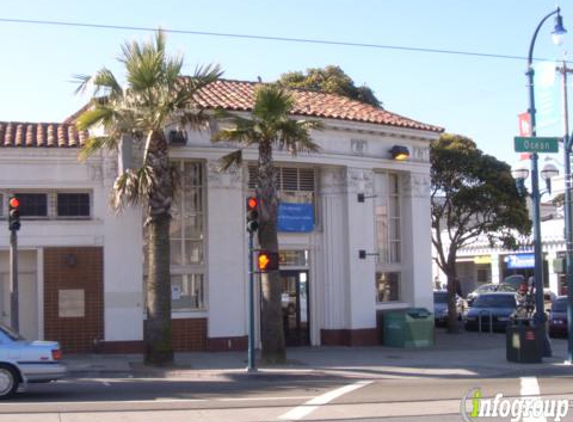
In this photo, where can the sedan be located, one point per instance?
(558, 317)
(23, 362)
(496, 306)
(441, 307)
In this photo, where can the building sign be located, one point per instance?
(295, 217)
(518, 261)
(484, 259)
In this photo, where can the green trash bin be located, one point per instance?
(411, 327)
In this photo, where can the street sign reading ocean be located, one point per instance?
(536, 144)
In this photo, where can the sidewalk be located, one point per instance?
(453, 355)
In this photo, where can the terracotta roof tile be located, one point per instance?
(46, 135)
(239, 96)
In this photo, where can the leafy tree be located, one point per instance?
(472, 194)
(155, 96)
(269, 127)
(331, 80)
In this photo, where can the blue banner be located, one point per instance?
(295, 217)
(524, 260)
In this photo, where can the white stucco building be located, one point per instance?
(81, 266)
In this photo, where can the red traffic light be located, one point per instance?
(14, 202)
(252, 203)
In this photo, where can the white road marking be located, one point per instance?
(239, 399)
(530, 388)
(310, 406)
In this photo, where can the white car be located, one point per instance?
(23, 362)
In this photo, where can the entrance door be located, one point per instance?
(28, 306)
(295, 307)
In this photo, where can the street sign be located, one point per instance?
(536, 144)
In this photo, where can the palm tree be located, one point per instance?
(269, 126)
(155, 96)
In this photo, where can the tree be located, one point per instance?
(473, 195)
(155, 96)
(331, 80)
(269, 126)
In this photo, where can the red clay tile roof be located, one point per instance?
(48, 135)
(239, 96)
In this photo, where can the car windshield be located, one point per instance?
(495, 301)
(11, 334)
(560, 305)
(441, 297)
(485, 288)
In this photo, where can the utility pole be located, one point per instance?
(568, 212)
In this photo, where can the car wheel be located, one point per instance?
(8, 381)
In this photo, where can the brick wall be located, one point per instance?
(189, 334)
(74, 269)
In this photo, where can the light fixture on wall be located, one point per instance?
(400, 152)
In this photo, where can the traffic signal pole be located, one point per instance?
(14, 308)
(251, 353)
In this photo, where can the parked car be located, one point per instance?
(441, 307)
(558, 317)
(486, 288)
(23, 362)
(497, 306)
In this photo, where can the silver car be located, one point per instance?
(23, 362)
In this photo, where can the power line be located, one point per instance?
(265, 38)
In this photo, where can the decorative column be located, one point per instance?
(226, 259)
(417, 243)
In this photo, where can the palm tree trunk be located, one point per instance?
(272, 330)
(158, 332)
(158, 344)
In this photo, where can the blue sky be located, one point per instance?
(473, 96)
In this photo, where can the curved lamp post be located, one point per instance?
(539, 318)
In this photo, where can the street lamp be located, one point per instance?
(539, 318)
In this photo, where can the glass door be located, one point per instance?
(295, 306)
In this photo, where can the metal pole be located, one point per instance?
(539, 317)
(251, 353)
(568, 216)
(14, 309)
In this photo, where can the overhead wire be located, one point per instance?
(266, 38)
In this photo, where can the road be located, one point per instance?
(268, 398)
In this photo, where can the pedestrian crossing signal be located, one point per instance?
(267, 261)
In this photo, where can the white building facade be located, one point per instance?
(81, 266)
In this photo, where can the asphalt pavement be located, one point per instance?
(462, 355)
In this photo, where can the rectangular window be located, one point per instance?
(33, 204)
(186, 233)
(388, 218)
(73, 204)
(186, 241)
(187, 292)
(387, 287)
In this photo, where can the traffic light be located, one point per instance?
(13, 214)
(267, 261)
(252, 214)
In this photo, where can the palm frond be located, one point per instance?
(232, 159)
(96, 144)
(132, 187)
(93, 117)
(103, 82)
